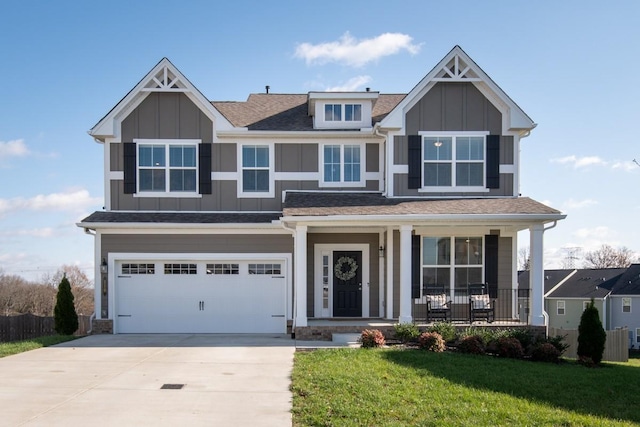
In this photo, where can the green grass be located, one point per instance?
(392, 387)
(9, 348)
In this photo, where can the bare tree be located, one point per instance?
(524, 259)
(609, 257)
(81, 287)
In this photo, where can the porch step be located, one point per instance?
(345, 338)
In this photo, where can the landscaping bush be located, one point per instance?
(525, 336)
(509, 347)
(431, 341)
(545, 352)
(406, 332)
(446, 330)
(64, 313)
(372, 338)
(471, 344)
(558, 343)
(591, 335)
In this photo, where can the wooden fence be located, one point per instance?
(28, 326)
(616, 348)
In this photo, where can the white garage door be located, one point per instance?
(200, 297)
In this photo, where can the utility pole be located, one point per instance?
(573, 254)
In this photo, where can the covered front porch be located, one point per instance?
(363, 260)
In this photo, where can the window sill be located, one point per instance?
(256, 195)
(359, 184)
(453, 190)
(176, 195)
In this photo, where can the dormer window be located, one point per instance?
(352, 112)
(341, 110)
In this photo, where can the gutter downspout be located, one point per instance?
(376, 131)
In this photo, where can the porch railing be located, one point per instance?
(509, 305)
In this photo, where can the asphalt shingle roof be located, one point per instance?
(551, 278)
(346, 203)
(289, 112)
(629, 282)
(588, 283)
(180, 218)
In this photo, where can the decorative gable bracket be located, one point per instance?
(456, 70)
(165, 81)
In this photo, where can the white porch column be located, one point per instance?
(405, 274)
(388, 312)
(536, 274)
(300, 276)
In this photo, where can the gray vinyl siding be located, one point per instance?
(453, 107)
(350, 238)
(174, 116)
(572, 312)
(630, 320)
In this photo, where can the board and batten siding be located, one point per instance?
(371, 239)
(174, 116)
(451, 107)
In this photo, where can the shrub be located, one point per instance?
(545, 352)
(446, 330)
(406, 332)
(431, 341)
(509, 347)
(64, 313)
(591, 335)
(558, 343)
(471, 344)
(525, 336)
(372, 338)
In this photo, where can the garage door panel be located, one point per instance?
(202, 303)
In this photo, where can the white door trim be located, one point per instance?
(327, 249)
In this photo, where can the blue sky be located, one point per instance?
(570, 65)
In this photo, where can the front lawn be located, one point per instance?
(395, 387)
(9, 348)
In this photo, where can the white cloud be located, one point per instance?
(356, 53)
(580, 162)
(350, 85)
(33, 232)
(627, 166)
(72, 201)
(14, 148)
(599, 232)
(579, 204)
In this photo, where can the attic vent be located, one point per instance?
(266, 88)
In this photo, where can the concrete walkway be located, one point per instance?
(117, 380)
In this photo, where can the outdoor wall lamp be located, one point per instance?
(381, 251)
(103, 267)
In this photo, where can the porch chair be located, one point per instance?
(481, 306)
(438, 307)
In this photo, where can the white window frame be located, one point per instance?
(240, 168)
(342, 182)
(343, 111)
(626, 299)
(561, 305)
(637, 335)
(454, 188)
(458, 299)
(167, 168)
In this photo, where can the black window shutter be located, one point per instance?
(130, 165)
(415, 161)
(415, 266)
(204, 174)
(493, 161)
(491, 263)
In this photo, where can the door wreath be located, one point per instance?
(347, 273)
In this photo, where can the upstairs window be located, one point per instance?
(255, 168)
(453, 161)
(560, 308)
(341, 165)
(156, 174)
(334, 112)
(626, 305)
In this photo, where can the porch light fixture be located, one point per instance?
(381, 251)
(103, 267)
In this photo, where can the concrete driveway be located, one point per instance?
(117, 380)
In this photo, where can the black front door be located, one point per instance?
(347, 284)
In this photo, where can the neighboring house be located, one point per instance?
(566, 301)
(551, 279)
(624, 304)
(270, 213)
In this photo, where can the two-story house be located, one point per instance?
(265, 214)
